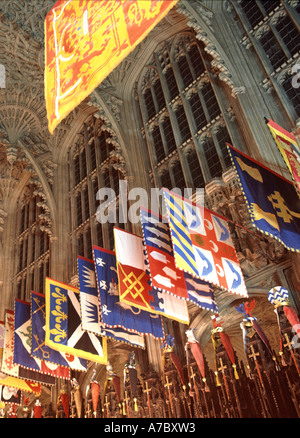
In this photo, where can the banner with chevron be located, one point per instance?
(63, 324)
(13, 369)
(202, 244)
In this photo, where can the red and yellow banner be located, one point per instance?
(85, 40)
(289, 149)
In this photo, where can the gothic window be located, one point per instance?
(198, 111)
(86, 204)
(115, 180)
(171, 83)
(78, 209)
(222, 137)
(89, 249)
(195, 169)
(33, 247)
(256, 10)
(178, 176)
(80, 245)
(274, 29)
(103, 146)
(183, 125)
(149, 103)
(106, 178)
(289, 34)
(76, 170)
(212, 158)
(93, 156)
(169, 135)
(158, 144)
(83, 169)
(210, 100)
(165, 180)
(272, 49)
(97, 170)
(252, 11)
(195, 58)
(181, 80)
(160, 98)
(292, 93)
(99, 234)
(185, 71)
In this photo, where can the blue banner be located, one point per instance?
(272, 201)
(115, 313)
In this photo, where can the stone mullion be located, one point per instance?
(203, 104)
(148, 140)
(189, 117)
(280, 41)
(202, 159)
(216, 143)
(175, 129)
(186, 170)
(253, 41)
(72, 202)
(171, 115)
(290, 10)
(227, 114)
(86, 230)
(193, 129)
(98, 176)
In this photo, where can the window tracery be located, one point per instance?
(274, 25)
(92, 165)
(191, 107)
(32, 245)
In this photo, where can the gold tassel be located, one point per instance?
(218, 383)
(235, 371)
(283, 361)
(206, 388)
(135, 404)
(123, 404)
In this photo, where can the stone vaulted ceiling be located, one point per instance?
(23, 121)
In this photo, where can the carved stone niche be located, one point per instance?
(216, 192)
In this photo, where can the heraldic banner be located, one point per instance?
(289, 149)
(202, 244)
(115, 313)
(272, 200)
(39, 349)
(163, 272)
(63, 324)
(9, 381)
(134, 281)
(91, 307)
(42, 370)
(85, 40)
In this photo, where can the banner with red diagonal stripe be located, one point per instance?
(163, 272)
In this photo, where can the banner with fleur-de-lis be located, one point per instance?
(64, 325)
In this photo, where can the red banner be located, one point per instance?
(85, 40)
